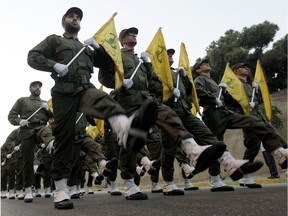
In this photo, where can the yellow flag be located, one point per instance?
(194, 110)
(92, 131)
(236, 89)
(160, 62)
(184, 62)
(107, 37)
(261, 81)
(49, 102)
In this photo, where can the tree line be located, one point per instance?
(248, 46)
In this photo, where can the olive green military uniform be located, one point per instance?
(200, 132)
(131, 100)
(72, 93)
(8, 166)
(145, 85)
(36, 132)
(251, 141)
(220, 119)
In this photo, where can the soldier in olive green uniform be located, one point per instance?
(32, 114)
(251, 141)
(8, 164)
(219, 118)
(74, 92)
(17, 155)
(131, 95)
(182, 106)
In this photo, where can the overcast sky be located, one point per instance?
(195, 23)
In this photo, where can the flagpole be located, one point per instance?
(177, 86)
(34, 113)
(76, 56)
(69, 63)
(79, 118)
(3, 163)
(220, 93)
(253, 95)
(136, 69)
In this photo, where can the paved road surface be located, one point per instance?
(270, 200)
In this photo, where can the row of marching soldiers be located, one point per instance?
(95, 150)
(27, 154)
(24, 164)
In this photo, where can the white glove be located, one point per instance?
(50, 146)
(42, 145)
(24, 122)
(252, 105)
(145, 57)
(61, 69)
(176, 92)
(255, 85)
(223, 85)
(3, 163)
(218, 102)
(8, 156)
(181, 71)
(128, 83)
(45, 106)
(91, 42)
(16, 148)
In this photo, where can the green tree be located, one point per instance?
(258, 37)
(274, 62)
(249, 46)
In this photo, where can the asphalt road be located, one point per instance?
(270, 200)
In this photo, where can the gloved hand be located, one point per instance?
(128, 83)
(50, 146)
(16, 148)
(223, 85)
(61, 69)
(176, 92)
(255, 85)
(91, 42)
(45, 106)
(24, 122)
(181, 71)
(8, 156)
(42, 145)
(218, 102)
(252, 105)
(145, 57)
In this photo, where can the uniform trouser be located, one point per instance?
(252, 141)
(76, 166)
(154, 146)
(8, 176)
(90, 181)
(111, 150)
(167, 121)
(182, 158)
(83, 176)
(92, 102)
(37, 180)
(4, 177)
(270, 162)
(28, 159)
(45, 175)
(171, 125)
(218, 120)
(19, 171)
(45, 160)
(41, 134)
(92, 150)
